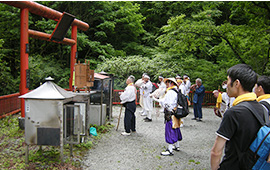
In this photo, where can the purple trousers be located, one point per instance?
(172, 135)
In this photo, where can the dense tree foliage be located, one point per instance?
(201, 39)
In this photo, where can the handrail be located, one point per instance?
(10, 104)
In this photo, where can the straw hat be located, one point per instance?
(171, 79)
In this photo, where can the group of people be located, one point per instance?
(239, 126)
(166, 95)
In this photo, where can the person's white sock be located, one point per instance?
(170, 147)
(177, 144)
(149, 114)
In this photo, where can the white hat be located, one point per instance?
(146, 76)
(178, 77)
(160, 77)
(185, 76)
(171, 79)
(215, 91)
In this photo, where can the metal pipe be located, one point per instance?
(73, 54)
(44, 36)
(44, 11)
(24, 55)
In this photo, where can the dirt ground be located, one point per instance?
(142, 149)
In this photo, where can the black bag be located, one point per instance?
(182, 105)
(167, 115)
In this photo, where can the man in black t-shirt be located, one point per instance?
(238, 127)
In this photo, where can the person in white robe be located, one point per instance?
(160, 92)
(147, 100)
(139, 84)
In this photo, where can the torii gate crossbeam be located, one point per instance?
(38, 9)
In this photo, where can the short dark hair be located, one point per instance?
(244, 74)
(264, 81)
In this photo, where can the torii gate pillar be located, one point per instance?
(24, 50)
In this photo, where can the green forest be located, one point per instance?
(200, 39)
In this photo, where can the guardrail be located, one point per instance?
(208, 100)
(9, 104)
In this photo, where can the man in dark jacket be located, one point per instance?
(198, 99)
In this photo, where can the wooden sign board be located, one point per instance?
(84, 77)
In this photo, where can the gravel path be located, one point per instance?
(142, 149)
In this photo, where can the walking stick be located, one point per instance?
(119, 117)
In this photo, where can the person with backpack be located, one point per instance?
(182, 88)
(173, 134)
(239, 126)
(262, 90)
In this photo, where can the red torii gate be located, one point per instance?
(38, 9)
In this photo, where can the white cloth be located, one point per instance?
(162, 85)
(129, 94)
(231, 101)
(147, 88)
(139, 84)
(182, 87)
(147, 101)
(267, 100)
(169, 101)
(187, 84)
(225, 104)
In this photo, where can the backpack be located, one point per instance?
(258, 153)
(266, 104)
(182, 105)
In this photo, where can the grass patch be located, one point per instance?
(13, 147)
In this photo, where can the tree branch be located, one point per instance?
(223, 37)
(233, 49)
(264, 6)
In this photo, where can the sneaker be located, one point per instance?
(143, 114)
(148, 120)
(199, 120)
(166, 153)
(176, 148)
(125, 134)
(195, 118)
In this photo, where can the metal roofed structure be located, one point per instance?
(49, 90)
